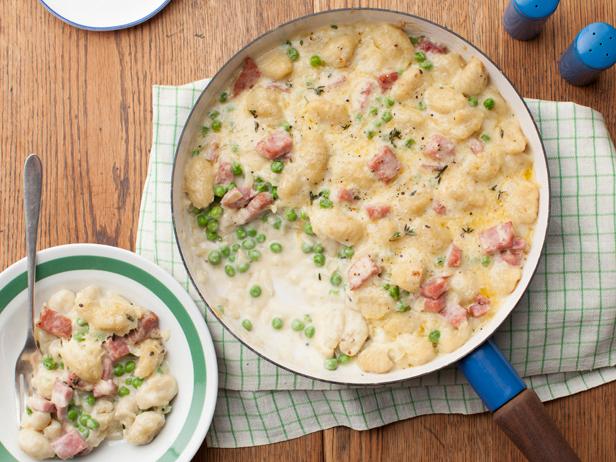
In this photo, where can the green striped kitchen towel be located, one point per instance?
(561, 337)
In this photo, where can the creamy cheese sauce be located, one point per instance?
(377, 180)
(103, 375)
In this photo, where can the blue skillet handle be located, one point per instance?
(517, 410)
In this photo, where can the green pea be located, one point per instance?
(335, 279)
(216, 212)
(212, 236)
(326, 203)
(346, 251)
(386, 117)
(229, 271)
(291, 215)
(293, 54)
(485, 137)
(255, 291)
(247, 324)
(214, 115)
(254, 255)
(216, 125)
(49, 363)
(243, 267)
(201, 221)
(79, 336)
(308, 229)
(434, 336)
(261, 238)
(212, 225)
(389, 102)
(240, 233)
(304, 216)
(223, 97)
(205, 130)
(83, 419)
(409, 143)
(236, 169)
(83, 431)
(118, 370)
(81, 322)
(91, 400)
(297, 325)
(420, 56)
(307, 318)
(331, 364)
(129, 381)
(92, 424)
(277, 223)
(276, 247)
(316, 61)
(277, 166)
(439, 261)
(318, 259)
(426, 66)
(393, 291)
(307, 247)
(214, 257)
(225, 251)
(219, 190)
(235, 247)
(473, 101)
(343, 358)
(309, 331)
(489, 104)
(486, 260)
(137, 382)
(249, 244)
(251, 232)
(28, 410)
(72, 414)
(123, 391)
(373, 111)
(318, 248)
(277, 323)
(402, 307)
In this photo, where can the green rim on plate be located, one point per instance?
(90, 262)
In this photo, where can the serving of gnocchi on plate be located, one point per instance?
(376, 179)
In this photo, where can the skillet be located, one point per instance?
(517, 410)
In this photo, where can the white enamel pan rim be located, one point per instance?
(419, 26)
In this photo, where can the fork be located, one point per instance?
(24, 367)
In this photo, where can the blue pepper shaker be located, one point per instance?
(524, 19)
(592, 52)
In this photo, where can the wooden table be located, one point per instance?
(82, 101)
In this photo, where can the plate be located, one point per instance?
(191, 355)
(104, 15)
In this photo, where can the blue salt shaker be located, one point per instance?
(524, 19)
(592, 52)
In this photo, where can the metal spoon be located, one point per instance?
(24, 368)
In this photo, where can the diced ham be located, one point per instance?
(224, 174)
(475, 145)
(255, 207)
(518, 244)
(440, 148)
(346, 195)
(385, 165)
(364, 95)
(146, 325)
(377, 211)
(40, 404)
(454, 313)
(107, 367)
(386, 81)
(69, 445)
(248, 76)
(211, 153)
(513, 257)
(497, 238)
(116, 347)
(435, 306)
(430, 47)
(74, 381)
(362, 270)
(238, 197)
(61, 394)
(454, 256)
(439, 208)
(275, 145)
(104, 388)
(434, 287)
(480, 307)
(54, 323)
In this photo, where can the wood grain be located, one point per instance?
(82, 101)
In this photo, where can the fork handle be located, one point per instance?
(33, 179)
